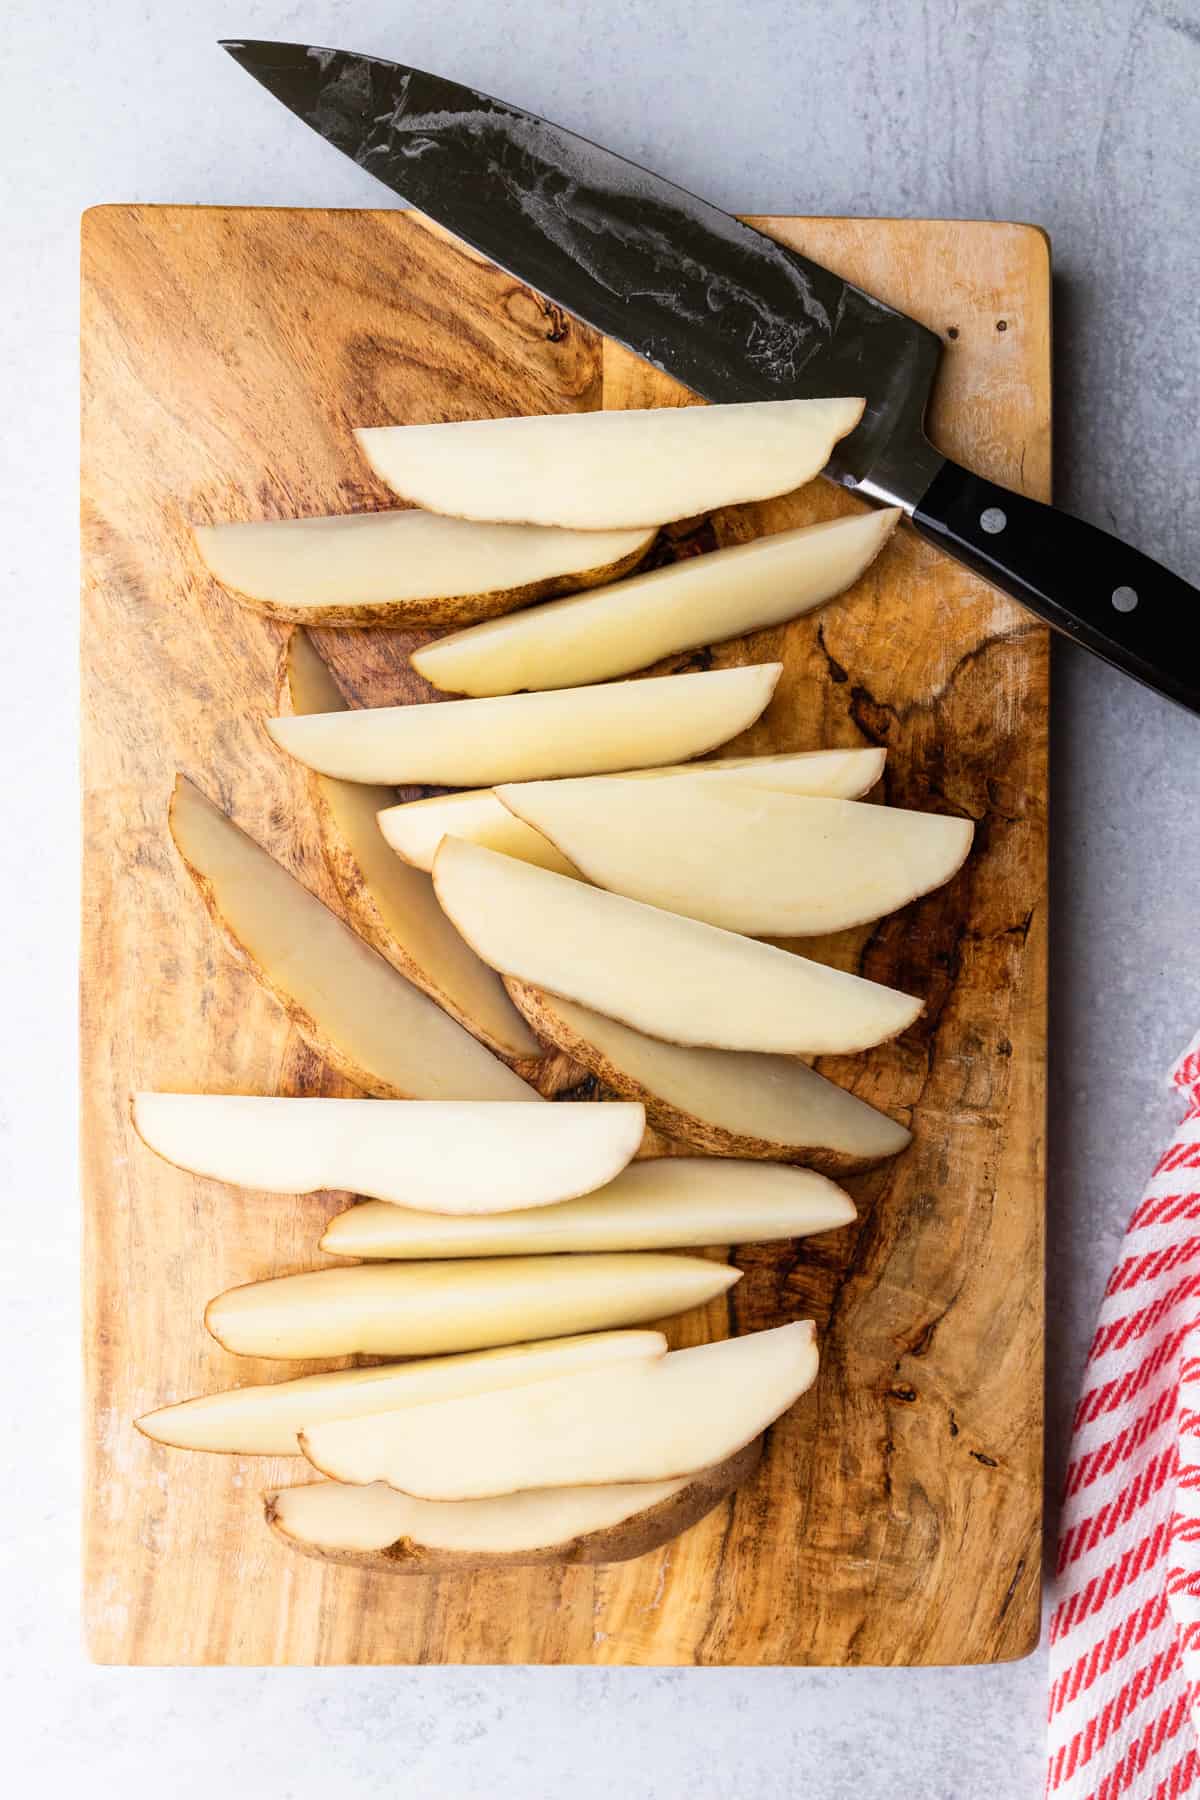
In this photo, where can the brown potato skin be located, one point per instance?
(363, 914)
(461, 609)
(634, 1537)
(684, 1127)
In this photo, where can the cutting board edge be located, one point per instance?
(92, 1633)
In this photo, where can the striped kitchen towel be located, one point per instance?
(1124, 1711)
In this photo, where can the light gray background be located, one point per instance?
(1081, 116)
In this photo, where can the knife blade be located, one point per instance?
(735, 316)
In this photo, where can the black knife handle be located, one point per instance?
(1087, 584)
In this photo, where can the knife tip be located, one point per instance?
(256, 46)
(268, 52)
(258, 53)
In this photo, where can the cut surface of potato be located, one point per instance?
(264, 1420)
(522, 737)
(441, 1156)
(425, 1309)
(355, 1009)
(407, 568)
(393, 907)
(674, 978)
(682, 606)
(670, 1202)
(772, 865)
(633, 1422)
(723, 1102)
(838, 774)
(414, 830)
(377, 1528)
(600, 471)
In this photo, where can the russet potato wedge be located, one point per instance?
(598, 471)
(378, 1529)
(663, 1203)
(633, 1422)
(355, 1009)
(723, 1102)
(670, 977)
(444, 1156)
(523, 737)
(771, 865)
(264, 1420)
(682, 606)
(407, 569)
(393, 907)
(415, 829)
(428, 1308)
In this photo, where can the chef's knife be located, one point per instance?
(735, 316)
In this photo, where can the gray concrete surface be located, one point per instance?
(1080, 116)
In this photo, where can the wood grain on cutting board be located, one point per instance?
(227, 354)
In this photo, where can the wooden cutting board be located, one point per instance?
(226, 355)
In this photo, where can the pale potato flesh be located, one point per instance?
(671, 1202)
(682, 606)
(523, 737)
(674, 978)
(355, 1009)
(407, 568)
(392, 906)
(771, 865)
(633, 1422)
(723, 1102)
(441, 1156)
(838, 774)
(264, 1420)
(599, 471)
(428, 1308)
(331, 1516)
(414, 830)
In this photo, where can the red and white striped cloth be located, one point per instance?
(1124, 1711)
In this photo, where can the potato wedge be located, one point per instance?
(522, 737)
(407, 569)
(264, 1420)
(664, 1203)
(634, 1422)
(425, 1309)
(376, 1528)
(723, 1102)
(673, 978)
(443, 1156)
(355, 1009)
(601, 471)
(682, 606)
(771, 865)
(414, 830)
(393, 907)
